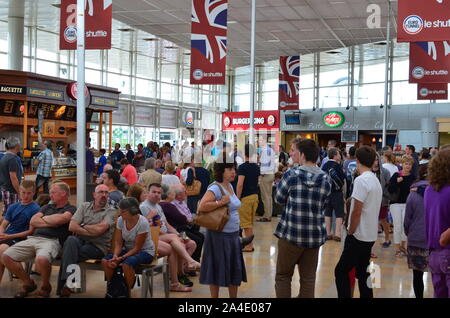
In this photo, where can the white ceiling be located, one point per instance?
(284, 27)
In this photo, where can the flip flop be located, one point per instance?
(177, 287)
(248, 251)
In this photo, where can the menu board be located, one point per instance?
(9, 108)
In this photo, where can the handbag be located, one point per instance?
(214, 220)
(194, 188)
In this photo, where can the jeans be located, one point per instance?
(290, 255)
(356, 254)
(439, 262)
(75, 250)
(41, 181)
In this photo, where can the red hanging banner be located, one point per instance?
(98, 25)
(423, 20)
(429, 62)
(208, 41)
(432, 91)
(289, 85)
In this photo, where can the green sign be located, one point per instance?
(333, 119)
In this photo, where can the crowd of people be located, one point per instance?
(164, 188)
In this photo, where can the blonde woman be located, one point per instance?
(400, 185)
(169, 178)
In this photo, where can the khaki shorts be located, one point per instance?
(34, 246)
(247, 211)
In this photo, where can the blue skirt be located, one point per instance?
(222, 261)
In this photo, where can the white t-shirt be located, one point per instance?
(367, 189)
(170, 179)
(129, 236)
(391, 167)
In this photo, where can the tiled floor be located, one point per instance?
(396, 278)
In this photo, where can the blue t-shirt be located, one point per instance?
(102, 160)
(234, 205)
(19, 217)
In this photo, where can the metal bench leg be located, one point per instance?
(166, 279)
(83, 279)
(144, 288)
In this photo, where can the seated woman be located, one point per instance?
(15, 227)
(169, 237)
(133, 243)
(138, 192)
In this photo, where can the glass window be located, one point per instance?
(241, 102)
(142, 135)
(93, 76)
(48, 46)
(269, 101)
(122, 83)
(169, 73)
(207, 98)
(4, 60)
(373, 71)
(121, 135)
(242, 84)
(93, 59)
(405, 93)
(401, 69)
(118, 61)
(169, 92)
(332, 97)
(369, 95)
(307, 78)
(145, 66)
(145, 88)
(306, 98)
(190, 95)
(331, 75)
(46, 68)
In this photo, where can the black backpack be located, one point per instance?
(117, 287)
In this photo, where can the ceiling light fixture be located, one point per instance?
(150, 39)
(125, 30)
(56, 5)
(171, 47)
(232, 22)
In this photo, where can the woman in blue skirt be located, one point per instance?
(222, 262)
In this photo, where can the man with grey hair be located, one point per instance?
(51, 228)
(93, 228)
(11, 172)
(44, 170)
(150, 175)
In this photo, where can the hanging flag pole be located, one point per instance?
(253, 75)
(386, 83)
(81, 107)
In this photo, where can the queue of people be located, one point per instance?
(134, 194)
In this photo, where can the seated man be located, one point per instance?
(51, 225)
(192, 230)
(93, 226)
(169, 238)
(16, 224)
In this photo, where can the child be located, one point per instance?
(16, 224)
(101, 162)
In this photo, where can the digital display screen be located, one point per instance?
(292, 119)
(349, 136)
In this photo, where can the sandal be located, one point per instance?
(44, 292)
(336, 238)
(263, 220)
(193, 266)
(177, 287)
(399, 254)
(26, 289)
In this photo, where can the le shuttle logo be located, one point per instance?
(423, 20)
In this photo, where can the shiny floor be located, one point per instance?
(396, 278)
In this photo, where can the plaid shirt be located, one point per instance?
(304, 191)
(45, 163)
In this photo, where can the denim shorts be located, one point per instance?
(135, 260)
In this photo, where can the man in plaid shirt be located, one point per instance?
(304, 191)
(44, 171)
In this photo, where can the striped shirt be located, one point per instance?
(304, 191)
(45, 163)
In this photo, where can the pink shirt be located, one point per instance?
(130, 174)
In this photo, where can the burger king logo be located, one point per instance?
(189, 118)
(271, 120)
(227, 121)
(413, 24)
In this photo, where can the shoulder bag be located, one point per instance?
(214, 220)
(194, 188)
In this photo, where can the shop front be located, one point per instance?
(236, 125)
(406, 124)
(444, 131)
(35, 108)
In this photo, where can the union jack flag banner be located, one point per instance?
(289, 87)
(429, 62)
(208, 41)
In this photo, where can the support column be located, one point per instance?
(25, 125)
(15, 34)
(100, 131)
